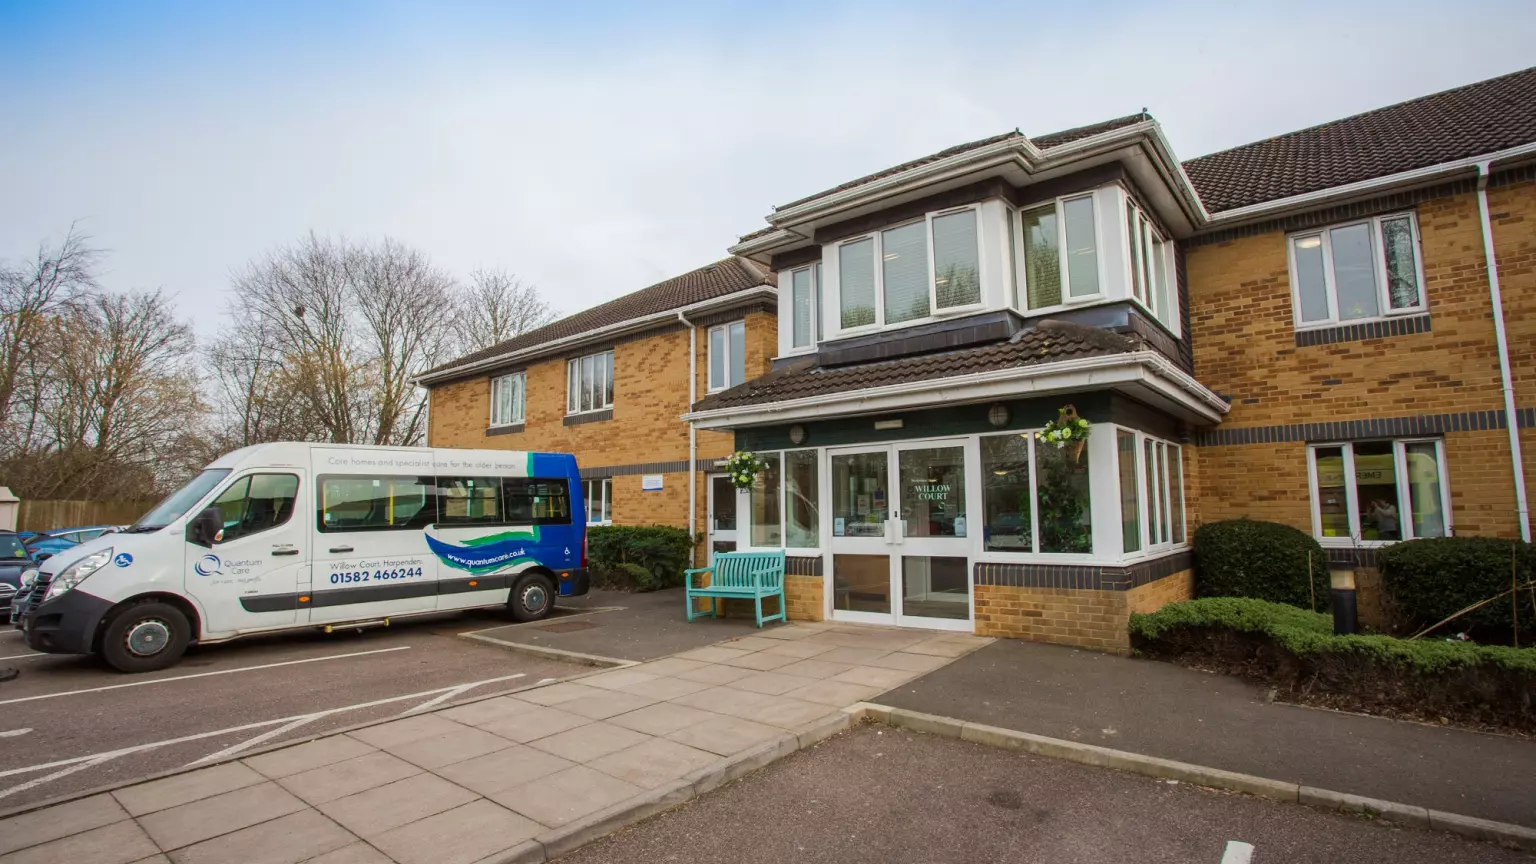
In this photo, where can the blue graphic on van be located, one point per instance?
(208, 565)
(485, 554)
(123, 559)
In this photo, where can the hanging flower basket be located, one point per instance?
(1067, 432)
(743, 467)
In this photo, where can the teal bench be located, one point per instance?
(740, 575)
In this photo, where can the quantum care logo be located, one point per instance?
(208, 565)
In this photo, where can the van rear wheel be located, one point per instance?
(145, 637)
(532, 597)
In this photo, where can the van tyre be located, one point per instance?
(145, 637)
(533, 596)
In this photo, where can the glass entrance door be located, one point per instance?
(899, 547)
(722, 514)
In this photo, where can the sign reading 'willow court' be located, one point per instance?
(931, 491)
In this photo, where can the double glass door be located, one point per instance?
(899, 529)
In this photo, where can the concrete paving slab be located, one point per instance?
(568, 795)
(712, 654)
(724, 700)
(793, 632)
(715, 674)
(873, 676)
(818, 669)
(835, 693)
(669, 666)
(119, 843)
(154, 859)
(504, 769)
(661, 718)
(287, 840)
(653, 762)
(618, 679)
(853, 656)
(890, 640)
(771, 683)
(181, 788)
(750, 643)
(608, 704)
(554, 694)
(387, 735)
(486, 711)
(198, 821)
(308, 756)
(725, 736)
(667, 688)
(384, 808)
(801, 650)
(450, 747)
(909, 662)
(538, 723)
(41, 826)
(462, 835)
(945, 646)
(585, 743)
(791, 713)
(759, 661)
(357, 853)
(341, 779)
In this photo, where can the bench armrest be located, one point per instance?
(688, 574)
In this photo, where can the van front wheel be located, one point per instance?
(145, 637)
(532, 597)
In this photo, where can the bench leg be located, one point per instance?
(758, 601)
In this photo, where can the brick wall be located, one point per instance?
(804, 598)
(1245, 349)
(1066, 616)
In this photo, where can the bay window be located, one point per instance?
(783, 501)
(1379, 491)
(1356, 271)
(925, 267)
(727, 355)
(802, 307)
(508, 399)
(1151, 266)
(1035, 497)
(1060, 257)
(589, 383)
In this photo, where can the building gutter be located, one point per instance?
(693, 436)
(1495, 298)
(597, 335)
(1139, 367)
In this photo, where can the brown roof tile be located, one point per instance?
(1049, 342)
(706, 283)
(1455, 124)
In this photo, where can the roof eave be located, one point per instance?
(427, 379)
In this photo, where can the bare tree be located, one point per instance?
(30, 294)
(496, 307)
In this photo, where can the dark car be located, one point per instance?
(15, 559)
(53, 542)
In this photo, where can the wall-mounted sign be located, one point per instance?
(931, 491)
(650, 482)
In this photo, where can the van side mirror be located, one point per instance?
(40, 557)
(204, 530)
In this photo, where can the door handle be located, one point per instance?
(285, 551)
(341, 548)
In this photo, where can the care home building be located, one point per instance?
(1332, 329)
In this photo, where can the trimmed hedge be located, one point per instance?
(1262, 560)
(1296, 652)
(1430, 580)
(638, 557)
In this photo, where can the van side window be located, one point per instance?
(469, 501)
(369, 503)
(535, 501)
(255, 503)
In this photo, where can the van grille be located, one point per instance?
(26, 598)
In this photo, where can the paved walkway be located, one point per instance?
(477, 782)
(1165, 710)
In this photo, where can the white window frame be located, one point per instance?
(573, 383)
(1153, 541)
(1019, 300)
(520, 406)
(934, 312)
(709, 353)
(811, 271)
(1378, 251)
(744, 505)
(1143, 240)
(605, 502)
(1356, 540)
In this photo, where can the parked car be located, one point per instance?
(50, 543)
(15, 559)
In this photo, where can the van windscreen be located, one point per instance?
(175, 505)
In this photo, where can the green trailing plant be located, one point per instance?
(1428, 581)
(1262, 560)
(1067, 428)
(639, 557)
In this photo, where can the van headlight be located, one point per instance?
(27, 578)
(75, 573)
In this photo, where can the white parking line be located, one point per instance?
(201, 675)
(81, 763)
(1237, 852)
(27, 656)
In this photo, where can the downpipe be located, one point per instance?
(693, 438)
(1522, 509)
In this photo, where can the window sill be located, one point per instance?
(504, 429)
(1405, 324)
(588, 417)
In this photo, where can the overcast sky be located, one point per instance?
(594, 148)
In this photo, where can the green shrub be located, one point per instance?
(639, 557)
(1262, 560)
(1427, 581)
(1296, 652)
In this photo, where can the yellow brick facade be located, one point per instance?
(650, 394)
(1067, 616)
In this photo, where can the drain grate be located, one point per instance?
(567, 626)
